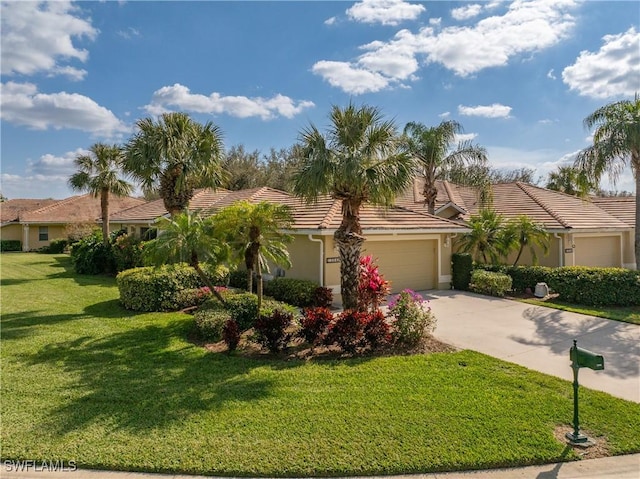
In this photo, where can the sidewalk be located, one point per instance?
(619, 467)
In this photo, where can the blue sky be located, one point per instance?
(520, 76)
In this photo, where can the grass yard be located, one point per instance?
(629, 314)
(85, 380)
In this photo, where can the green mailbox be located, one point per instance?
(586, 359)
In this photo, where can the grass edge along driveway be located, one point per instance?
(87, 381)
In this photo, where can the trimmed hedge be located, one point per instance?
(461, 269)
(210, 323)
(10, 245)
(596, 286)
(298, 292)
(523, 277)
(488, 282)
(158, 289)
(56, 246)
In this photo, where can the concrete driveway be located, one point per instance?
(539, 338)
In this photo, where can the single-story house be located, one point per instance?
(585, 232)
(413, 249)
(36, 222)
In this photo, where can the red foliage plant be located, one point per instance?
(314, 324)
(231, 334)
(372, 288)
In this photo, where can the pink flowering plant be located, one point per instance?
(412, 318)
(372, 288)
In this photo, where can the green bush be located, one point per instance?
(128, 252)
(210, 323)
(412, 318)
(596, 286)
(243, 308)
(10, 245)
(238, 279)
(298, 292)
(158, 289)
(488, 282)
(56, 246)
(524, 277)
(91, 256)
(461, 269)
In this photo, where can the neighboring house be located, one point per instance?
(623, 208)
(412, 249)
(36, 222)
(582, 232)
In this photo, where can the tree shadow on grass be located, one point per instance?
(144, 378)
(21, 324)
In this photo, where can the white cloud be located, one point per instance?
(129, 33)
(350, 78)
(551, 75)
(435, 21)
(445, 114)
(495, 110)
(181, 97)
(547, 121)
(52, 165)
(466, 137)
(466, 12)
(330, 21)
(612, 71)
(386, 12)
(395, 60)
(22, 104)
(38, 37)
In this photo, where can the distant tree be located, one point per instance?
(523, 175)
(189, 238)
(242, 169)
(523, 233)
(99, 173)
(616, 144)
(254, 232)
(175, 155)
(2, 198)
(571, 181)
(280, 167)
(434, 152)
(358, 161)
(484, 242)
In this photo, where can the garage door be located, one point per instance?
(597, 251)
(407, 264)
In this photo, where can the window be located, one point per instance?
(43, 233)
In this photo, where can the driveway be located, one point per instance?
(539, 338)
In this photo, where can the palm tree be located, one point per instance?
(254, 234)
(358, 161)
(484, 241)
(99, 174)
(175, 155)
(189, 238)
(616, 144)
(431, 147)
(522, 232)
(571, 181)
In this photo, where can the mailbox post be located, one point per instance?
(581, 358)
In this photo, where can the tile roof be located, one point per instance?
(622, 207)
(10, 210)
(76, 209)
(557, 211)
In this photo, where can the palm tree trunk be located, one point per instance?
(259, 283)
(195, 264)
(349, 239)
(519, 254)
(104, 208)
(430, 194)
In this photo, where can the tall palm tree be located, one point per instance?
(616, 144)
(189, 238)
(99, 173)
(358, 161)
(522, 232)
(484, 241)
(176, 155)
(255, 235)
(432, 148)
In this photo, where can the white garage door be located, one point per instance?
(407, 264)
(597, 251)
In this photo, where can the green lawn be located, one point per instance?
(629, 314)
(85, 380)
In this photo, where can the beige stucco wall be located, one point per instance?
(305, 259)
(551, 259)
(55, 232)
(11, 232)
(628, 250)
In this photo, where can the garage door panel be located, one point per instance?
(407, 264)
(601, 251)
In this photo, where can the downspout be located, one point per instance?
(561, 252)
(319, 240)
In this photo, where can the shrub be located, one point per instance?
(91, 256)
(347, 330)
(270, 305)
(372, 287)
(377, 331)
(231, 334)
(526, 277)
(56, 246)
(461, 269)
(412, 318)
(187, 298)
(322, 297)
(271, 330)
(298, 292)
(487, 282)
(238, 279)
(210, 323)
(10, 245)
(243, 308)
(314, 324)
(156, 289)
(596, 286)
(128, 252)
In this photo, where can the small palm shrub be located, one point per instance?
(271, 330)
(487, 282)
(412, 318)
(314, 324)
(231, 334)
